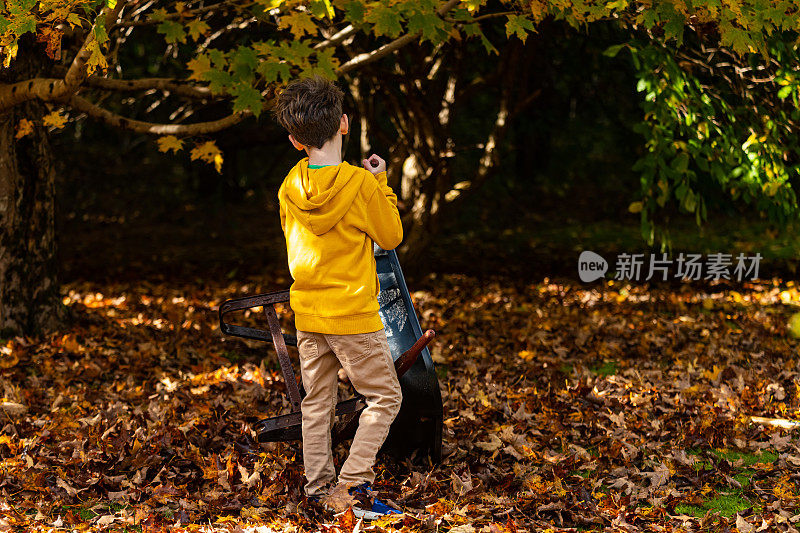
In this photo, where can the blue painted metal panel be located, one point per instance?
(419, 423)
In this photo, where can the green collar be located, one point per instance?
(312, 167)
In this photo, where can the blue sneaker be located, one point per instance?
(369, 507)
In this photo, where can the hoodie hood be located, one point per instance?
(319, 198)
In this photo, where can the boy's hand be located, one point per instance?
(374, 164)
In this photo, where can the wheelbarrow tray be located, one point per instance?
(418, 425)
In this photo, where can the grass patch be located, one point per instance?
(744, 477)
(87, 514)
(565, 369)
(79, 511)
(747, 458)
(441, 370)
(608, 368)
(726, 504)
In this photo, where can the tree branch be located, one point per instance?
(388, 48)
(151, 128)
(77, 70)
(239, 25)
(53, 88)
(336, 38)
(63, 90)
(42, 88)
(481, 17)
(183, 14)
(164, 84)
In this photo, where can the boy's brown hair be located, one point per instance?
(310, 109)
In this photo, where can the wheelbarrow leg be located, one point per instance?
(283, 357)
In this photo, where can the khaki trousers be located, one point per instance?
(366, 359)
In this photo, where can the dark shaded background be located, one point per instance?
(127, 210)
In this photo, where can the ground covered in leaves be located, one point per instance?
(568, 407)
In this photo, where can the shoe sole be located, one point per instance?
(369, 515)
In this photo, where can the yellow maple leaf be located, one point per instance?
(299, 24)
(55, 119)
(24, 127)
(169, 142)
(209, 153)
(74, 20)
(199, 66)
(96, 60)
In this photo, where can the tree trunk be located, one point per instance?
(425, 89)
(29, 291)
(421, 192)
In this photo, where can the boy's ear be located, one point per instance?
(344, 125)
(295, 143)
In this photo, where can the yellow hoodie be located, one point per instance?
(330, 216)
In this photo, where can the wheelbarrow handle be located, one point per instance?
(409, 357)
(248, 302)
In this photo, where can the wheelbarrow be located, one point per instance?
(418, 426)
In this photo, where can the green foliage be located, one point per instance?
(705, 135)
(743, 25)
(385, 20)
(246, 97)
(519, 26)
(172, 31)
(295, 41)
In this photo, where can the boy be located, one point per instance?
(331, 212)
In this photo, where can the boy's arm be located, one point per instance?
(281, 209)
(383, 222)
